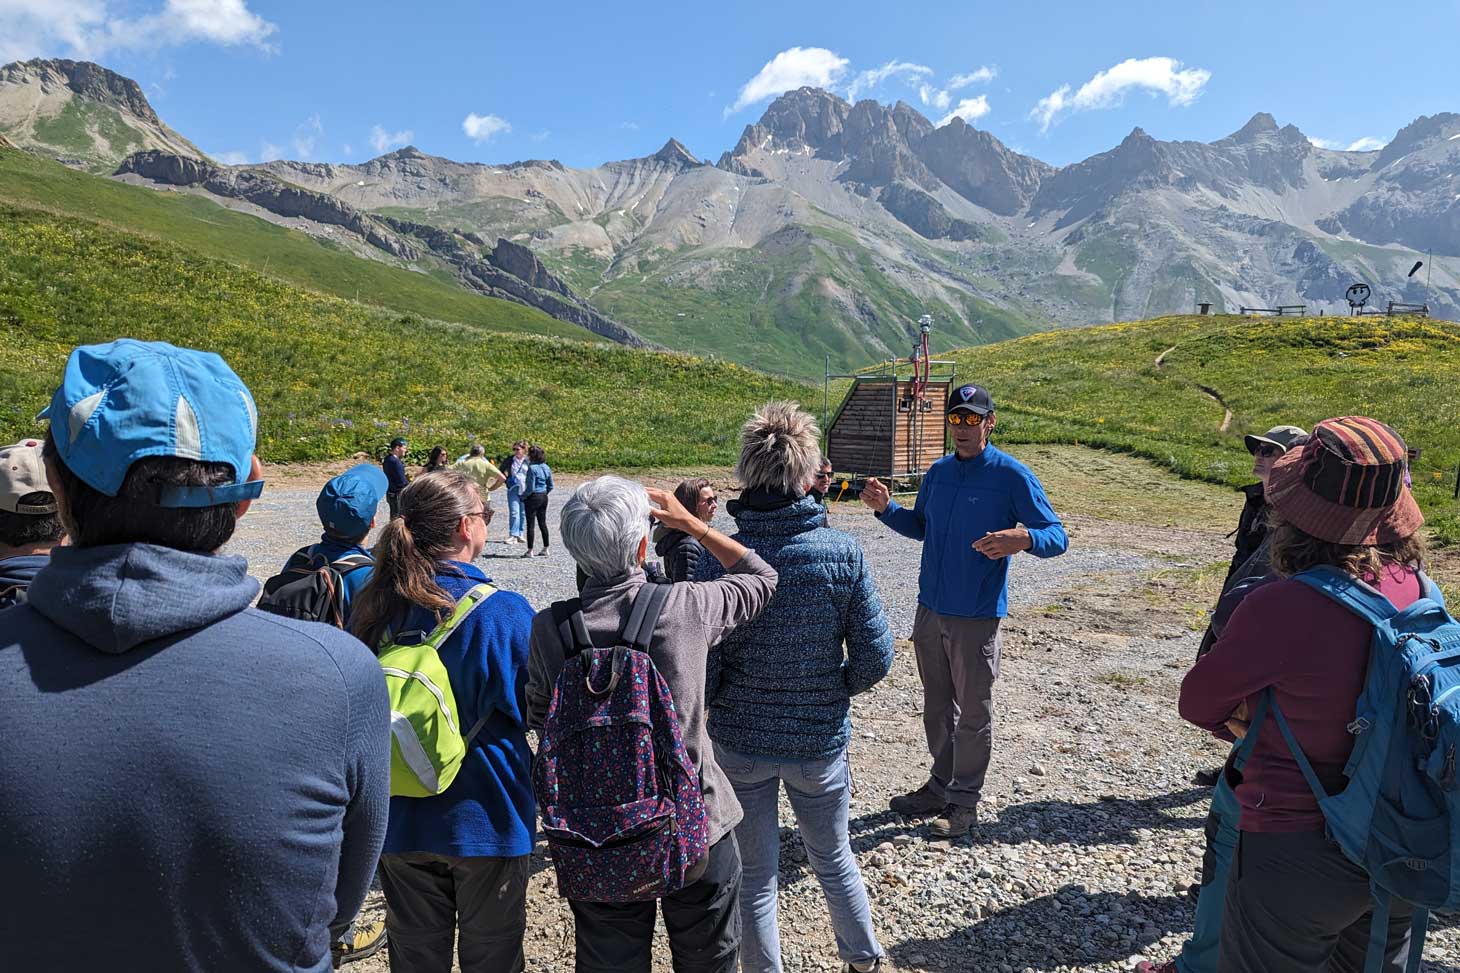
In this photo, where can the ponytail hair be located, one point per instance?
(409, 553)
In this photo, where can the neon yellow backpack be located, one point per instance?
(427, 746)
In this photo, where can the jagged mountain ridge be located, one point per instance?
(829, 226)
(81, 113)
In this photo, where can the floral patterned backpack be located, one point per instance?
(621, 803)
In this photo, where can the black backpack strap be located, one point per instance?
(572, 630)
(352, 562)
(644, 615)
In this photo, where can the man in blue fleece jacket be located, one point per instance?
(187, 783)
(969, 513)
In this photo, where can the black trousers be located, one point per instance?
(702, 920)
(535, 505)
(1295, 904)
(431, 900)
(394, 500)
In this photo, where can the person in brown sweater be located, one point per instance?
(605, 527)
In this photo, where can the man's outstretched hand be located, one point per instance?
(876, 495)
(1003, 543)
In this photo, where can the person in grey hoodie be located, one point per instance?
(29, 524)
(186, 783)
(605, 528)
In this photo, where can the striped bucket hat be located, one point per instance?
(1346, 484)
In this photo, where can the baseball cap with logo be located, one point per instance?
(973, 398)
(347, 503)
(127, 400)
(23, 472)
(1346, 484)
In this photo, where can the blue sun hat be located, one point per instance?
(127, 400)
(346, 505)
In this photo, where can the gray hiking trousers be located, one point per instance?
(958, 662)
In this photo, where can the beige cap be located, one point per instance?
(22, 472)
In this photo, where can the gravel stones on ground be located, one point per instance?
(1090, 830)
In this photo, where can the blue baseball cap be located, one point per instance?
(127, 400)
(347, 503)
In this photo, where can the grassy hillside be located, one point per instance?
(202, 227)
(1103, 387)
(332, 376)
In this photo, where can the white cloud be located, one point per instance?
(1366, 144)
(980, 76)
(478, 128)
(969, 109)
(539, 136)
(630, 126)
(792, 68)
(348, 150)
(268, 152)
(231, 158)
(868, 80)
(939, 99)
(306, 136)
(383, 141)
(93, 28)
(1107, 89)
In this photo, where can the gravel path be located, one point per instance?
(1091, 828)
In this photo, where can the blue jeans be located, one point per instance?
(516, 519)
(820, 793)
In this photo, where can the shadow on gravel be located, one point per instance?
(1069, 928)
(1111, 820)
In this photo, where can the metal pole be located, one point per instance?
(826, 406)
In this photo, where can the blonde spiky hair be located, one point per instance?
(779, 449)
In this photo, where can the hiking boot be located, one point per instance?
(919, 802)
(955, 822)
(1207, 778)
(876, 967)
(363, 938)
(1145, 966)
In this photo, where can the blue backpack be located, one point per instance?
(1399, 816)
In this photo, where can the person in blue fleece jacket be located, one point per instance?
(969, 512)
(457, 862)
(187, 783)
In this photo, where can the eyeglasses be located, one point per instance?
(1267, 451)
(485, 513)
(823, 476)
(965, 419)
(712, 501)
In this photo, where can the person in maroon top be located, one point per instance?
(1294, 902)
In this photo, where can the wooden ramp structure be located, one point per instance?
(890, 424)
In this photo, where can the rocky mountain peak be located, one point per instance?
(1260, 124)
(90, 81)
(1418, 134)
(674, 153)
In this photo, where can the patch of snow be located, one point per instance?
(1452, 138)
(1036, 221)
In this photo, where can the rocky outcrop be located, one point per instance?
(268, 193)
(488, 278)
(523, 264)
(90, 81)
(925, 215)
(980, 168)
(675, 154)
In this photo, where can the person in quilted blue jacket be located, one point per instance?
(781, 686)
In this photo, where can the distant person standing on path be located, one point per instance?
(29, 523)
(436, 461)
(821, 485)
(537, 478)
(395, 474)
(481, 470)
(679, 552)
(455, 865)
(203, 782)
(969, 510)
(516, 472)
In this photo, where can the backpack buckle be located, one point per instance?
(1359, 725)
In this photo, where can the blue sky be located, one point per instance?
(586, 83)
